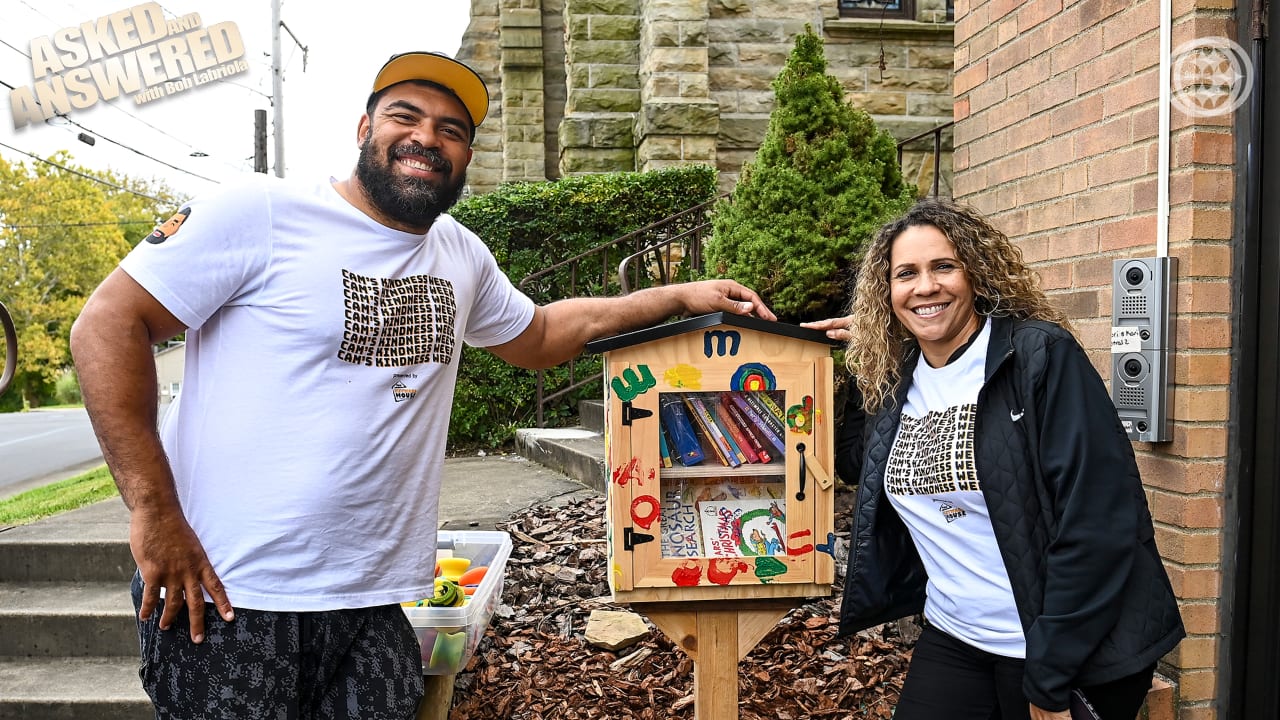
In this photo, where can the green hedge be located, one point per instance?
(530, 227)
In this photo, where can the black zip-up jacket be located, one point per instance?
(1069, 514)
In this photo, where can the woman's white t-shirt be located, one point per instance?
(932, 481)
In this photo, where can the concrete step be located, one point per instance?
(591, 415)
(79, 688)
(66, 619)
(577, 452)
(86, 545)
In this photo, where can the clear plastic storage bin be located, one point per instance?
(449, 635)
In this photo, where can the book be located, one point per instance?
(709, 446)
(663, 448)
(742, 528)
(753, 437)
(679, 528)
(708, 406)
(736, 436)
(741, 487)
(683, 438)
(679, 531)
(706, 422)
(774, 439)
(769, 411)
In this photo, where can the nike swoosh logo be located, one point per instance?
(1016, 416)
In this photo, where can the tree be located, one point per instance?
(824, 180)
(60, 235)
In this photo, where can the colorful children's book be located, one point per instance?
(674, 418)
(680, 533)
(748, 428)
(704, 421)
(709, 446)
(735, 434)
(773, 438)
(743, 528)
(706, 405)
(769, 410)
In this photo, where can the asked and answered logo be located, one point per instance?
(136, 52)
(1210, 76)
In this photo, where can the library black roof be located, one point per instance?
(701, 322)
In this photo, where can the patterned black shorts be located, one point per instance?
(343, 665)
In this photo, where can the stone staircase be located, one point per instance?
(577, 452)
(68, 639)
(68, 644)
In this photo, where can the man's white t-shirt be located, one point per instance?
(932, 481)
(321, 358)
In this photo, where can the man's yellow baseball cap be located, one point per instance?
(441, 70)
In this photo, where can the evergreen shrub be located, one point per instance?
(823, 181)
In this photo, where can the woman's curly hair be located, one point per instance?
(1002, 284)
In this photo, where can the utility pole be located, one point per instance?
(260, 140)
(277, 80)
(277, 86)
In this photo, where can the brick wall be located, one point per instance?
(1056, 105)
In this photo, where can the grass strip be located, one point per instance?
(58, 497)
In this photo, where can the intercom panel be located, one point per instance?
(1142, 346)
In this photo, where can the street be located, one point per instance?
(43, 446)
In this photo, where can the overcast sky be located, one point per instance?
(347, 42)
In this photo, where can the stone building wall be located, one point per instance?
(645, 84)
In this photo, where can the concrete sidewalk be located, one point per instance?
(477, 493)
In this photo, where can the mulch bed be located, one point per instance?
(533, 662)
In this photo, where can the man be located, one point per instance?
(295, 488)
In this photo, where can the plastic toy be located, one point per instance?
(452, 567)
(470, 580)
(447, 652)
(448, 594)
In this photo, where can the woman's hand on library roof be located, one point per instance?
(836, 328)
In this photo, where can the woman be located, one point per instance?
(997, 491)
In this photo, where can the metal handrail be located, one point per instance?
(11, 349)
(689, 225)
(662, 255)
(937, 150)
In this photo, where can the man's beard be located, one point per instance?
(412, 201)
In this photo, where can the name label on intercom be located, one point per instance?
(1125, 339)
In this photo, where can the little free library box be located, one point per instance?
(719, 445)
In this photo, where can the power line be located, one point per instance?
(127, 114)
(83, 175)
(135, 150)
(11, 47)
(36, 11)
(123, 145)
(189, 146)
(80, 224)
